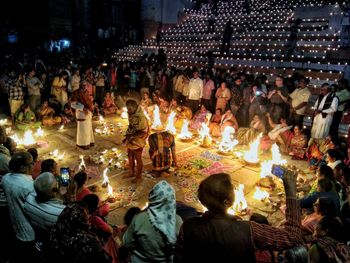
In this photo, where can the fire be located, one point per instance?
(101, 119)
(157, 125)
(3, 122)
(124, 113)
(185, 133)
(82, 162)
(61, 128)
(105, 177)
(276, 155)
(55, 153)
(227, 142)
(17, 140)
(61, 156)
(260, 194)
(266, 166)
(251, 156)
(110, 190)
(240, 203)
(39, 132)
(28, 138)
(204, 135)
(170, 125)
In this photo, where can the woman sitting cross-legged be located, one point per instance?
(25, 119)
(108, 106)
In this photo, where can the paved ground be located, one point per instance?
(193, 169)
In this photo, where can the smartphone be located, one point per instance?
(65, 178)
(278, 171)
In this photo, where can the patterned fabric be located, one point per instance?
(162, 210)
(160, 146)
(138, 130)
(298, 145)
(15, 91)
(71, 239)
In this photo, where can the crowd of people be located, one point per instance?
(58, 223)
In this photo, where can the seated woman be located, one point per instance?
(297, 144)
(82, 191)
(108, 106)
(182, 113)
(214, 124)
(25, 119)
(280, 133)
(146, 101)
(47, 115)
(247, 135)
(317, 149)
(199, 118)
(228, 119)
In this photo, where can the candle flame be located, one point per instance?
(266, 166)
(240, 203)
(62, 127)
(39, 132)
(105, 177)
(260, 194)
(185, 133)
(252, 155)
(28, 138)
(110, 190)
(157, 125)
(170, 125)
(227, 142)
(82, 162)
(124, 113)
(204, 135)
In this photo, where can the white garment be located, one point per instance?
(195, 89)
(333, 165)
(321, 126)
(299, 96)
(273, 134)
(85, 133)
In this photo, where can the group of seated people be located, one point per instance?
(50, 113)
(57, 223)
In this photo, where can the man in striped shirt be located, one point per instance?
(42, 207)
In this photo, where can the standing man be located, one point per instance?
(278, 97)
(344, 98)
(15, 92)
(162, 152)
(83, 108)
(226, 38)
(195, 91)
(135, 139)
(34, 86)
(325, 106)
(208, 89)
(100, 85)
(300, 97)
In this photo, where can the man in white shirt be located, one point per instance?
(195, 92)
(300, 97)
(325, 106)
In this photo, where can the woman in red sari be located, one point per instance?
(297, 143)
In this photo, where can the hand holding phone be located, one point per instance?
(65, 176)
(279, 171)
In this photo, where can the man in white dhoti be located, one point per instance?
(85, 133)
(325, 106)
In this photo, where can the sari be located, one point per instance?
(160, 146)
(297, 146)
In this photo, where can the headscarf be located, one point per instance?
(162, 210)
(71, 238)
